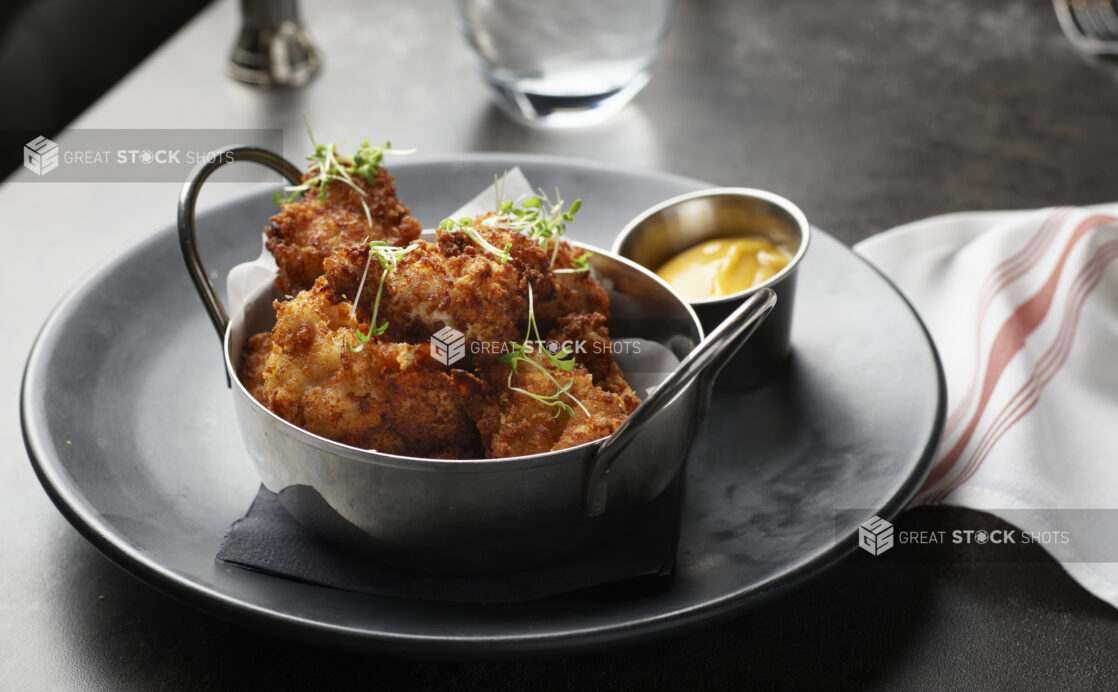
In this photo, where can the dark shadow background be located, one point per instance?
(58, 56)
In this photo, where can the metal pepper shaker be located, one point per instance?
(273, 49)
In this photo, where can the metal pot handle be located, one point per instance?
(188, 198)
(706, 360)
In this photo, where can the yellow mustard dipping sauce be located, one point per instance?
(723, 266)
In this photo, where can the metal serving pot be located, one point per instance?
(478, 516)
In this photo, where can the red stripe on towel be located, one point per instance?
(1026, 398)
(1008, 342)
(1002, 276)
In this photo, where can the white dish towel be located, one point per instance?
(1023, 307)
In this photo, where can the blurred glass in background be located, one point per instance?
(564, 63)
(1090, 25)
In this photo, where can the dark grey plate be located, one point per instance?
(130, 427)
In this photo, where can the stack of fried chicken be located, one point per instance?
(350, 356)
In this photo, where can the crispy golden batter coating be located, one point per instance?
(479, 296)
(253, 360)
(554, 294)
(454, 282)
(303, 233)
(588, 337)
(577, 292)
(392, 397)
(513, 424)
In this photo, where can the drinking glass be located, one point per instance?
(561, 63)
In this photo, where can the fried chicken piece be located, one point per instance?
(480, 297)
(455, 282)
(587, 335)
(554, 293)
(253, 359)
(512, 423)
(576, 292)
(303, 233)
(392, 397)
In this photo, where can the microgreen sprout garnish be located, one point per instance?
(539, 217)
(330, 167)
(563, 360)
(464, 224)
(582, 264)
(389, 257)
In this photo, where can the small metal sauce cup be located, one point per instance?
(665, 230)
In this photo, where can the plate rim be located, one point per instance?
(73, 505)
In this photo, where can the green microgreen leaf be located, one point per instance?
(582, 264)
(389, 257)
(465, 225)
(563, 360)
(538, 217)
(330, 167)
